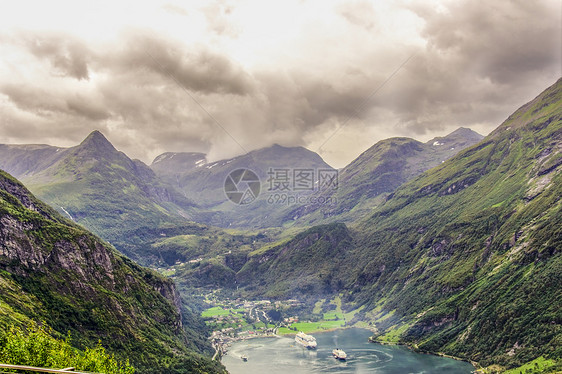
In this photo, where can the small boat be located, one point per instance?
(244, 358)
(339, 354)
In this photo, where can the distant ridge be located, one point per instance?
(378, 171)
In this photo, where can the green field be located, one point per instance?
(536, 366)
(215, 311)
(310, 327)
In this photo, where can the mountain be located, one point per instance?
(99, 187)
(205, 184)
(463, 259)
(27, 159)
(466, 257)
(313, 263)
(54, 272)
(377, 172)
(172, 165)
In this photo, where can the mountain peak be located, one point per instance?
(465, 131)
(96, 135)
(97, 140)
(462, 135)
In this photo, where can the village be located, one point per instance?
(235, 320)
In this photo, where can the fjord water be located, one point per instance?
(282, 355)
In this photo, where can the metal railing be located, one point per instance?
(42, 370)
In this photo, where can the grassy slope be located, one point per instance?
(52, 270)
(464, 259)
(107, 192)
(365, 182)
(314, 262)
(469, 252)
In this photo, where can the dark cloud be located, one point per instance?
(33, 99)
(68, 56)
(504, 41)
(87, 107)
(482, 60)
(198, 69)
(50, 103)
(474, 64)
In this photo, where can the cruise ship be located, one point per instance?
(339, 354)
(307, 341)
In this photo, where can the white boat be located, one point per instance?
(339, 354)
(307, 341)
(244, 358)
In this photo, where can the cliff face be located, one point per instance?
(77, 283)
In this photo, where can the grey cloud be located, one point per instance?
(198, 69)
(498, 40)
(481, 62)
(68, 56)
(87, 107)
(34, 99)
(56, 128)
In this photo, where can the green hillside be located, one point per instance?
(315, 262)
(464, 259)
(377, 172)
(54, 271)
(467, 256)
(101, 188)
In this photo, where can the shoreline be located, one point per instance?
(329, 330)
(413, 348)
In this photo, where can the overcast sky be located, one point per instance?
(225, 77)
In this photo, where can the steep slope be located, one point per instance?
(101, 188)
(55, 271)
(366, 181)
(466, 258)
(463, 259)
(314, 262)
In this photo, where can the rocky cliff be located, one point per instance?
(75, 282)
